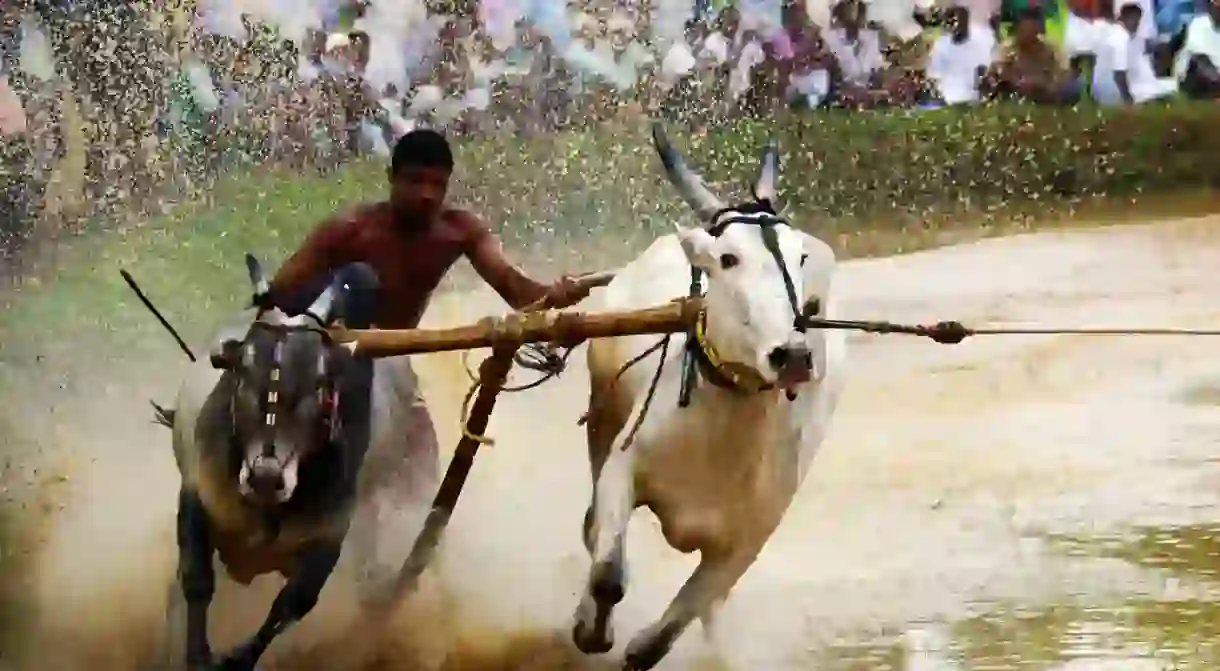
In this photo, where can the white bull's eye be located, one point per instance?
(729, 261)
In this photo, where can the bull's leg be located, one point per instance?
(298, 596)
(196, 577)
(613, 502)
(702, 592)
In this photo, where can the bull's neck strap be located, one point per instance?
(721, 373)
(689, 370)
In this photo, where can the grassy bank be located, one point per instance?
(870, 183)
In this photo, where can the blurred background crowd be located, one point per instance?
(163, 96)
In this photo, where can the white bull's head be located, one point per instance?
(282, 377)
(763, 279)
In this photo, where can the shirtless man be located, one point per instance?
(392, 256)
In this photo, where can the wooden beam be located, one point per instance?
(566, 328)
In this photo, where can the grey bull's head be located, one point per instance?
(762, 276)
(283, 394)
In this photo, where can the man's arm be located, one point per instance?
(487, 256)
(323, 250)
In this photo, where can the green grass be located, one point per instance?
(870, 183)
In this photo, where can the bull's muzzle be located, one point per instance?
(265, 479)
(792, 363)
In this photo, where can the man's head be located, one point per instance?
(1130, 16)
(958, 21)
(1029, 26)
(795, 17)
(846, 14)
(360, 49)
(419, 176)
(1213, 10)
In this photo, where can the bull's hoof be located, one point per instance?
(592, 640)
(238, 660)
(647, 649)
(642, 660)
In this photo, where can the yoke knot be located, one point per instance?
(948, 333)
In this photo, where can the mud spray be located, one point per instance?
(942, 465)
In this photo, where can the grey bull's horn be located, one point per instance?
(768, 173)
(689, 184)
(325, 302)
(257, 278)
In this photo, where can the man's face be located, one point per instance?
(1213, 10)
(417, 193)
(847, 13)
(959, 22)
(1028, 31)
(1130, 20)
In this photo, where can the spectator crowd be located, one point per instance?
(168, 96)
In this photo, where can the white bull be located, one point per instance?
(720, 469)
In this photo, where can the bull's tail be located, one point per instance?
(163, 416)
(131, 282)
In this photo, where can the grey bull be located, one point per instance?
(285, 441)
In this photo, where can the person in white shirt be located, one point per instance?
(1197, 66)
(856, 49)
(1123, 72)
(960, 58)
(857, 54)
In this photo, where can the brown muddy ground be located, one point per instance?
(1014, 502)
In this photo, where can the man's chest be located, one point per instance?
(408, 264)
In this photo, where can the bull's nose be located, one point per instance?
(789, 356)
(266, 478)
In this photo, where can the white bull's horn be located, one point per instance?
(690, 185)
(768, 172)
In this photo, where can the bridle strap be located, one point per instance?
(696, 357)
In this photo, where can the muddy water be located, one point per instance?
(1013, 502)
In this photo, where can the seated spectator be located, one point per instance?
(960, 58)
(1085, 19)
(1172, 17)
(1197, 62)
(804, 66)
(1030, 68)
(1123, 73)
(902, 77)
(857, 54)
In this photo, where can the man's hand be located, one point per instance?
(262, 301)
(567, 291)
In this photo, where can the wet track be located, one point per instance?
(1011, 502)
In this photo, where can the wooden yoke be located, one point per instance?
(504, 335)
(565, 328)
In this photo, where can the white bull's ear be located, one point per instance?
(697, 244)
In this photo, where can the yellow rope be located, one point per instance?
(466, 433)
(475, 385)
